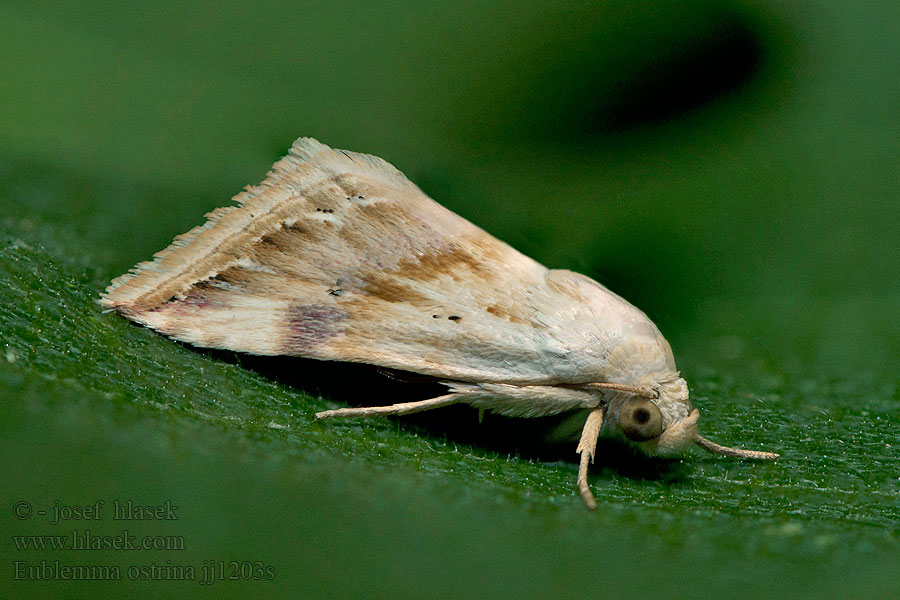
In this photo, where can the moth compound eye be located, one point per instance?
(640, 420)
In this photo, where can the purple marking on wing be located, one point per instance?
(313, 324)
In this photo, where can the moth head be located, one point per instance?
(658, 418)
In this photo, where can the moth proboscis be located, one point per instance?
(338, 256)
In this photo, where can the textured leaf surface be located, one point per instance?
(753, 227)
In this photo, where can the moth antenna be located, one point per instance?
(643, 390)
(715, 448)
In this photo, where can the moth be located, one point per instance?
(338, 256)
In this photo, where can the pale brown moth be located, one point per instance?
(338, 256)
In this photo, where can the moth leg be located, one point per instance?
(586, 447)
(404, 408)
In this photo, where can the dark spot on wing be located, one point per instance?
(454, 318)
(309, 325)
(354, 187)
(289, 236)
(295, 228)
(198, 297)
(200, 287)
(268, 240)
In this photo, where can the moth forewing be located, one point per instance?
(338, 256)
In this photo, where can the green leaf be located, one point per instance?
(753, 224)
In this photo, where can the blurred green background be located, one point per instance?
(729, 167)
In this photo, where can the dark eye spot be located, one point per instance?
(640, 419)
(454, 318)
(642, 415)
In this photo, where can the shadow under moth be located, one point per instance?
(338, 256)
